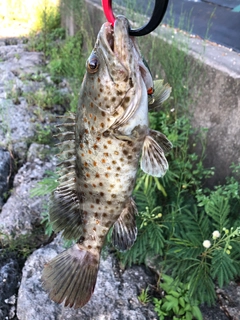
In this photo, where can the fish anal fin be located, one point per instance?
(161, 139)
(124, 229)
(71, 276)
(66, 213)
(153, 160)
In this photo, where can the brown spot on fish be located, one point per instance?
(114, 196)
(94, 163)
(125, 152)
(95, 146)
(109, 168)
(95, 118)
(106, 175)
(89, 247)
(121, 159)
(109, 202)
(91, 105)
(94, 229)
(108, 224)
(106, 154)
(103, 161)
(101, 184)
(118, 169)
(98, 138)
(86, 131)
(109, 141)
(94, 186)
(88, 175)
(101, 194)
(95, 214)
(93, 128)
(111, 185)
(97, 201)
(97, 221)
(103, 113)
(97, 175)
(102, 124)
(105, 147)
(89, 151)
(85, 119)
(85, 185)
(82, 154)
(81, 145)
(85, 164)
(114, 162)
(116, 153)
(92, 206)
(104, 215)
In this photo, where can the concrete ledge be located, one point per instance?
(217, 104)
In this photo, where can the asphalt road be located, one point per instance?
(215, 20)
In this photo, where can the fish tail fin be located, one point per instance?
(71, 276)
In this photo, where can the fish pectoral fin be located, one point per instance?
(153, 160)
(161, 93)
(71, 276)
(124, 231)
(161, 139)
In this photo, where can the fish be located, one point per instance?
(101, 147)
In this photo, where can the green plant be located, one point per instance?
(144, 296)
(176, 303)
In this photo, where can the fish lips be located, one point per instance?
(118, 48)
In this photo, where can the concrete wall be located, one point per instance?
(217, 104)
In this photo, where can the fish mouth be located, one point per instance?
(117, 39)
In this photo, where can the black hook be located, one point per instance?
(159, 10)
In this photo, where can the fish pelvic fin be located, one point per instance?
(71, 276)
(153, 160)
(124, 231)
(161, 94)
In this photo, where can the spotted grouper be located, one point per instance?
(101, 149)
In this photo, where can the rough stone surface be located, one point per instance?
(115, 295)
(5, 173)
(22, 213)
(10, 275)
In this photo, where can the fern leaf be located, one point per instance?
(222, 267)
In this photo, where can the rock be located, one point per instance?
(5, 173)
(10, 275)
(22, 213)
(115, 295)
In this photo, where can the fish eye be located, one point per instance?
(92, 63)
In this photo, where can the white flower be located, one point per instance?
(215, 234)
(206, 244)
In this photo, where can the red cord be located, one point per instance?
(107, 8)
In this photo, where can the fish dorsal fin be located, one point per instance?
(161, 94)
(161, 139)
(124, 229)
(153, 160)
(65, 206)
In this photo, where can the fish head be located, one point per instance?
(115, 67)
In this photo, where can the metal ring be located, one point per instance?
(159, 10)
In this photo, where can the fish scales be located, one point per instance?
(102, 146)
